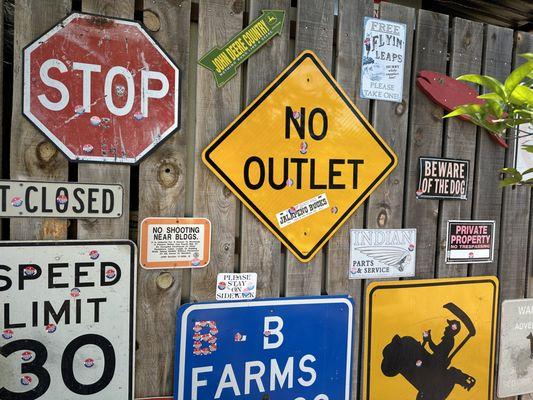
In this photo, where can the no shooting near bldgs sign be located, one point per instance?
(101, 89)
(301, 157)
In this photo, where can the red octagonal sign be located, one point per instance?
(101, 89)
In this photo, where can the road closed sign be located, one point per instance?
(67, 320)
(101, 89)
(430, 339)
(515, 362)
(265, 349)
(301, 156)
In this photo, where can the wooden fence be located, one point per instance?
(174, 182)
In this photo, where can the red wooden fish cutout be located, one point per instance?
(450, 93)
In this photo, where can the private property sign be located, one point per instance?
(470, 242)
(67, 320)
(301, 157)
(288, 348)
(101, 89)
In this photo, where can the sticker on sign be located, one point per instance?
(68, 320)
(241, 286)
(274, 348)
(60, 200)
(302, 210)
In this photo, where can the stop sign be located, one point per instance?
(101, 89)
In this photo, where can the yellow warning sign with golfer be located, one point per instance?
(430, 339)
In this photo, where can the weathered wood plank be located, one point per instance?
(390, 120)
(425, 136)
(515, 230)
(459, 136)
(218, 21)
(32, 156)
(107, 173)
(162, 194)
(314, 31)
(490, 158)
(260, 249)
(2, 5)
(347, 61)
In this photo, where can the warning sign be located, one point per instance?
(236, 286)
(442, 178)
(301, 157)
(515, 362)
(470, 242)
(175, 242)
(443, 350)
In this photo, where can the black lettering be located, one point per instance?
(333, 174)
(299, 123)
(282, 184)
(355, 164)
(6, 279)
(28, 276)
(97, 302)
(103, 268)
(7, 322)
(314, 185)
(299, 162)
(44, 209)
(52, 275)
(78, 209)
(322, 135)
(3, 199)
(261, 179)
(60, 206)
(50, 311)
(78, 273)
(91, 201)
(108, 201)
(29, 208)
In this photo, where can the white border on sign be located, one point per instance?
(262, 303)
(27, 92)
(448, 261)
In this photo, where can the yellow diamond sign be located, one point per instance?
(301, 156)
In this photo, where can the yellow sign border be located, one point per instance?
(246, 112)
(421, 283)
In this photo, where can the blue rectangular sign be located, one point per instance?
(290, 349)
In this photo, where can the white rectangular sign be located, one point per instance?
(302, 210)
(236, 286)
(67, 320)
(382, 253)
(60, 200)
(383, 60)
(524, 158)
(515, 376)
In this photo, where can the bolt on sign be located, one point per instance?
(470, 242)
(301, 156)
(442, 178)
(101, 89)
(441, 350)
(67, 320)
(60, 200)
(275, 349)
(515, 362)
(175, 243)
(382, 253)
(223, 62)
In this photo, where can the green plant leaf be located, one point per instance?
(490, 96)
(527, 56)
(467, 109)
(525, 112)
(517, 76)
(528, 148)
(514, 178)
(486, 81)
(521, 95)
(495, 108)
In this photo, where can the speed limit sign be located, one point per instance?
(67, 314)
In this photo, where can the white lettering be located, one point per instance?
(249, 376)
(108, 91)
(147, 93)
(227, 384)
(61, 88)
(87, 69)
(273, 332)
(198, 383)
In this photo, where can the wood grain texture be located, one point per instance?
(260, 249)
(314, 31)
(515, 229)
(107, 173)
(390, 120)
(459, 137)
(162, 194)
(490, 158)
(2, 5)
(32, 156)
(348, 64)
(425, 136)
(218, 21)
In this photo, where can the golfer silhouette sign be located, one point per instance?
(426, 350)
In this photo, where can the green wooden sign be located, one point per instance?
(223, 62)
